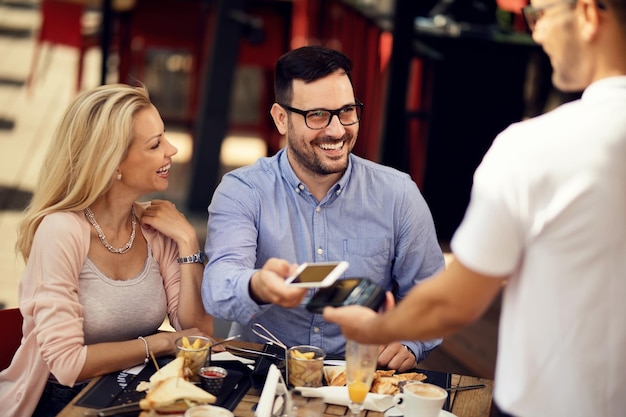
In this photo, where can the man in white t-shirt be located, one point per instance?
(546, 224)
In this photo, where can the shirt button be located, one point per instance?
(320, 251)
(301, 186)
(338, 192)
(297, 190)
(318, 209)
(316, 329)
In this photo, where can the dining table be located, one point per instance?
(476, 402)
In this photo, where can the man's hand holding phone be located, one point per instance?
(267, 285)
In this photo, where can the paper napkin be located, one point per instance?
(227, 356)
(339, 396)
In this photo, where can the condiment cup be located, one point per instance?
(212, 379)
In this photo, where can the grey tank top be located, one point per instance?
(115, 310)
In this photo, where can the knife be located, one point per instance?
(253, 352)
(465, 388)
(111, 411)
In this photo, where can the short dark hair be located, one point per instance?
(308, 63)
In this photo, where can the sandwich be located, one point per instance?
(173, 395)
(335, 375)
(172, 369)
(388, 382)
(385, 382)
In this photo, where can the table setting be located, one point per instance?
(120, 393)
(247, 367)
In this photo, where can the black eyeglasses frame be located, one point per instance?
(336, 112)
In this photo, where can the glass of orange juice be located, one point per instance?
(361, 362)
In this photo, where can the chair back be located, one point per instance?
(11, 330)
(61, 23)
(513, 6)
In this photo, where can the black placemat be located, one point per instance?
(118, 388)
(121, 388)
(236, 385)
(101, 393)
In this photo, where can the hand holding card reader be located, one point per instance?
(349, 291)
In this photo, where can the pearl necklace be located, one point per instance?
(92, 219)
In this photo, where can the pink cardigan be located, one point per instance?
(53, 340)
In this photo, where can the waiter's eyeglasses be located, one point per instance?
(318, 119)
(533, 13)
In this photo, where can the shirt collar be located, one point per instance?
(606, 84)
(298, 186)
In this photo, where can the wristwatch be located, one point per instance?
(197, 258)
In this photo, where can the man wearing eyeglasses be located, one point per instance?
(546, 224)
(314, 201)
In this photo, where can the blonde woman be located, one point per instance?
(102, 271)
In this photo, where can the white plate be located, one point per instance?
(396, 412)
(208, 410)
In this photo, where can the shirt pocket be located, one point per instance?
(368, 258)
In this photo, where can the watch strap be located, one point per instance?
(196, 258)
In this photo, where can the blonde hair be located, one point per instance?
(87, 147)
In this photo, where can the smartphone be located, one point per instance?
(317, 275)
(349, 291)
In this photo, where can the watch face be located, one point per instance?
(201, 256)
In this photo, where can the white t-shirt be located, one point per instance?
(548, 208)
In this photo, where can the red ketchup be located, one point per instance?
(212, 374)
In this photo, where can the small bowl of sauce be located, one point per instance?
(212, 379)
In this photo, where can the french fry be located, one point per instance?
(302, 355)
(186, 343)
(312, 377)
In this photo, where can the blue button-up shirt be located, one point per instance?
(374, 217)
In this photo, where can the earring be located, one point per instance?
(119, 176)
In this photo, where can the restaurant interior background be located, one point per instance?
(439, 79)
